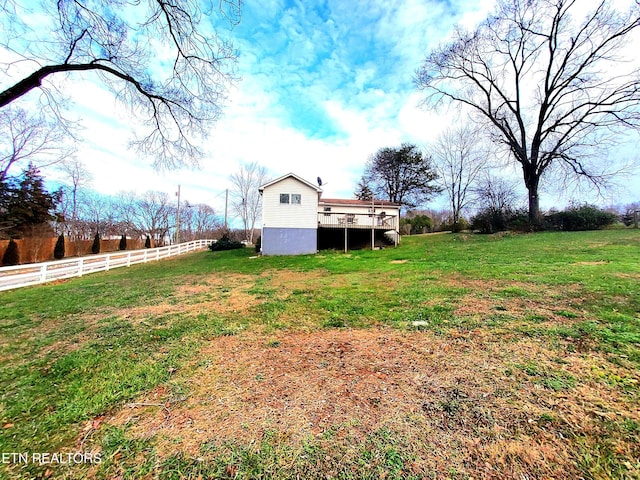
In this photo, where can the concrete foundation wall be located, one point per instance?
(289, 241)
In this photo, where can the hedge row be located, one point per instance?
(578, 218)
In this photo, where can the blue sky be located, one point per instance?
(324, 84)
(358, 55)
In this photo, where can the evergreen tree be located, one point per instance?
(95, 248)
(26, 203)
(6, 191)
(58, 251)
(11, 254)
(363, 191)
(123, 243)
(401, 175)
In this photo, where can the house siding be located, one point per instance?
(277, 215)
(289, 241)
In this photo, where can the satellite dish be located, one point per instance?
(319, 182)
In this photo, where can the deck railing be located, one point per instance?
(35, 273)
(377, 221)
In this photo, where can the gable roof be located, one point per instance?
(364, 203)
(284, 177)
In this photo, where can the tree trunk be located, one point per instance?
(532, 182)
(535, 219)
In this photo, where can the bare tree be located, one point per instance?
(152, 214)
(550, 83)
(204, 221)
(97, 213)
(125, 205)
(495, 193)
(459, 157)
(186, 221)
(496, 198)
(77, 177)
(128, 44)
(402, 175)
(30, 138)
(246, 200)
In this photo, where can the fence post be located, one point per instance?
(43, 273)
(128, 259)
(106, 262)
(80, 265)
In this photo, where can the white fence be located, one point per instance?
(35, 273)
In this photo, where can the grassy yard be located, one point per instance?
(452, 356)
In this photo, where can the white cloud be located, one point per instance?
(323, 89)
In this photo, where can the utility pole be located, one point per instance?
(178, 217)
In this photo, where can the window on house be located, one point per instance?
(296, 199)
(284, 198)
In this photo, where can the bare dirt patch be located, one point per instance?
(291, 279)
(517, 300)
(481, 405)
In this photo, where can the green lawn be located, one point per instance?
(452, 356)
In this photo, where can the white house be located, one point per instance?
(289, 216)
(297, 220)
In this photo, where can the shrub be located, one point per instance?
(420, 224)
(95, 247)
(578, 218)
(147, 242)
(11, 254)
(258, 244)
(225, 243)
(453, 227)
(490, 220)
(123, 243)
(518, 220)
(415, 225)
(631, 214)
(58, 250)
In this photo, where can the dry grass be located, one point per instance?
(475, 402)
(322, 372)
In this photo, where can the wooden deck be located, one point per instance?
(357, 221)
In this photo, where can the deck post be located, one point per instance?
(345, 240)
(373, 222)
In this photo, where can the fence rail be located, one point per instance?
(35, 273)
